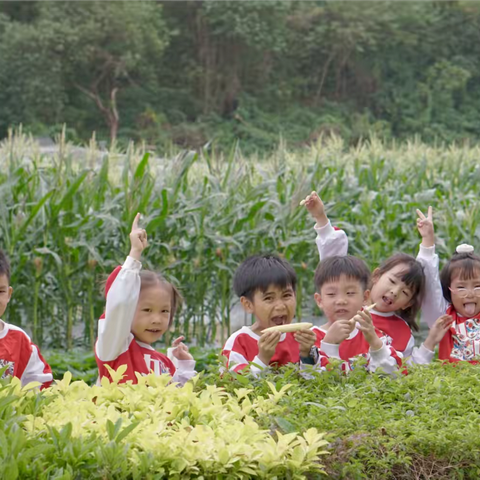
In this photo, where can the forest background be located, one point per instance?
(188, 72)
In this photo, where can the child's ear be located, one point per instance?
(10, 291)
(366, 296)
(246, 304)
(375, 275)
(318, 299)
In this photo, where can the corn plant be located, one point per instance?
(65, 220)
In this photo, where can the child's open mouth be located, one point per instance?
(387, 301)
(341, 311)
(279, 320)
(153, 330)
(470, 308)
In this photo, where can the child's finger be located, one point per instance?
(177, 341)
(430, 214)
(136, 220)
(420, 214)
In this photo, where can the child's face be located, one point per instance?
(275, 306)
(5, 293)
(465, 302)
(341, 299)
(389, 292)
(153, 313)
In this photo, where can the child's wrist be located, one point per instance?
(136, 254)
(321, 220)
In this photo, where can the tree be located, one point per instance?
(100, 48)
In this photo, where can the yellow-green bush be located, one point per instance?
(150, 430)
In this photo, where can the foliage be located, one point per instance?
(420, 425)
(66, 221)
(185, 72)
(149, 430)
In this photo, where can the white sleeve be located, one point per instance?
(330, 242)
(122, 298)
(331, 350)
(184, 371)
(34, 371)
(421, 355)
(384, 359)
(434, 304)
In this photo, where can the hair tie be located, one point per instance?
(464, 248)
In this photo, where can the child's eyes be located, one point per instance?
(287, 295)
(165, 311)
(351, 293)
(392, 281)
(148, 310)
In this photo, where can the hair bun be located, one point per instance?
(464, 248)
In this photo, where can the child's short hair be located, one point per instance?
(150, 279)
(331, 268)
(465, 263)
(413, 277)
(4, 265)
(260, 271)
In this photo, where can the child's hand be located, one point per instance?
(266, 346)
(315, 206)
(138, 239)
(425, 227)
(365, 325)
(180, 350)
(338, 332)
(438, 331)
(306, 339)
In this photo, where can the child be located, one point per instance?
(266, 285)
(18, 354)
(397, 286)
(140, 308)
(455, 292)
(341, 285)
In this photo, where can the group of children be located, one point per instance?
(368, 314)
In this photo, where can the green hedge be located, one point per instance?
(423, 425)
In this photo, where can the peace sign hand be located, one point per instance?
(138, 239)
(425, 227)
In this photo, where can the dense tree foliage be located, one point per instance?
(186, 72)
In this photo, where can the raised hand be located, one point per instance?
(313, 203)
(437, 332)
(266, 346)
(180, 350)
(306, 339)
(363, 321)
(138, 239)
(339, 331)
(425, 227)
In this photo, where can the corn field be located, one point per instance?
(65, 220)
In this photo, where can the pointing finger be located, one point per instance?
(429, 214)
(135, 222)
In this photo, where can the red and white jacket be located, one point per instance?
(462, 340)
(331, 241)
(386, 358)
(22, 358)
(116, 344)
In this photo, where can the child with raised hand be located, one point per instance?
(19, 357)
(398, 286)
(266, 285)
(140, 308)
(454, 292)
(341, 284)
